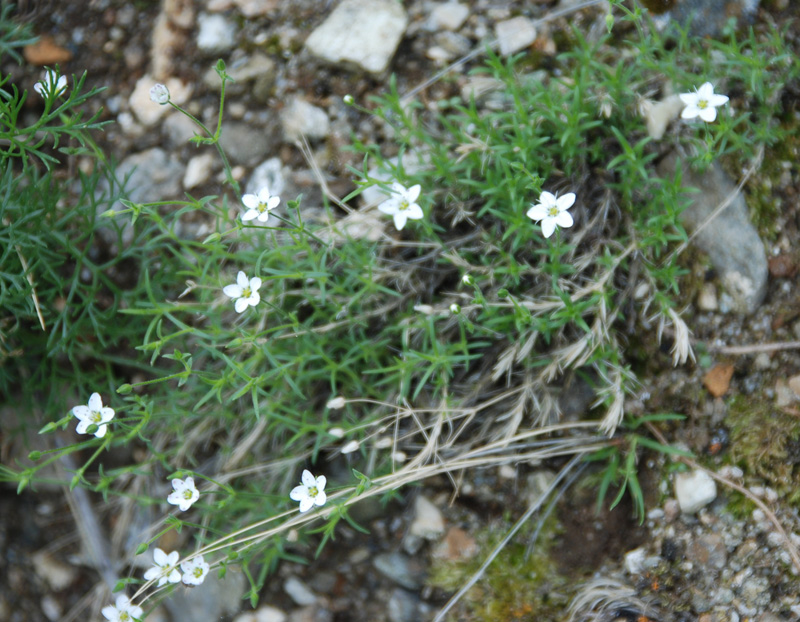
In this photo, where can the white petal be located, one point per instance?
(263, 216)
(414, 212)
(690, 99)
(255, 283)
(564, 219)
(706, 91)
(718, 100)
(400, 219)
(398, 188)
(548, 226)
(174, 576)
(83, 425)
(81, 412)
(101, 431)
(321, 481)
(389, 206)
(122, 602)
(537, 212)
(250, 214)
(240, 305)
(250, 200)
(708, 114)
(306, 504)
(188, 482)
(152, 573)
(175, 498)
(254, 299)
(298, 493)
(690, 112)
(95, 402)
(308, 479)
(565, 201)
(160, 557)
(242, 280)
(106, 414)
(413, 193)
(263, 195)
(233, 291)
(273, 202)
(320, 499)
(547, 199)
(109, 613)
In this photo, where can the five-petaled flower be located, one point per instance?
(259, 205)
(159, 94)
(194, 570)
(164, 568)
(702, 103)
(552, 211)
(311, 492)
(184, 493)
(402, 205)
(245, 291)
(122, 611)
(93, 414)
(51, 83)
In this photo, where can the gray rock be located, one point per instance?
(299, 118)
(707, 18)
(708, 551)
(731, 241)
(694, 490)
(402, 606)
(360, 33)
(152, 176)
(448, 16)
(198, 170)
(514, 34)
(179, 130)
(397, 567)
(259, 69)
(244, 143)
(215, 33)
(215, 599)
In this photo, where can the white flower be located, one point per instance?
(455, 308)
(123, 611)
(51, 83)
(402, 206)
(93, 414)
(259, 205)
(702, 103)
(245, 291)
(159, 94)
(184, 495)
(164, 568)
(311, 493)
(467, 279)
(194, 570)
(552, 211)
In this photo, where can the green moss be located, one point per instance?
(515, 587)
(765, 442)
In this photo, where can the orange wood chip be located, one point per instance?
(718, 379)
(46, 52)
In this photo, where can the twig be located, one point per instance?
(737, 487)
(756, 347)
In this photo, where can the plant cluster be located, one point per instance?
(532, 237)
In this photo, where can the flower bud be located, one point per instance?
(349, 100)
(159, 94)
(467, 279)
(455, 308)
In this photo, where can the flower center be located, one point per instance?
(246, 293)
(312, 491)
(124, 616)
(703, 103)
(552, 211)
(262, 207)
(187, 494)
(96, 417)
(403, 206)
(198, 572)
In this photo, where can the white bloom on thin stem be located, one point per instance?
(184, 493)
(402, 206)
(311, 492)
(164, 568)
(159, 94)
(93, 414)
(194, 570)
(244, 291)
(123, 610)
(702, 103)
(552, 211)
(51, 83)
(259, 205)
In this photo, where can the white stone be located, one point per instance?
(428, 521)
(215, 33)
(364, 33)
(299, 592)
(448, 16)
(694, 490)
(707, 298)
(198, 170)
(262, 614)
(634, 561)
(514, 34)
(299, 118)
(658, 115)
